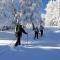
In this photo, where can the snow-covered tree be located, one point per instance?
(52, 13)
(6, 10)
(31, 11)
(26, 11)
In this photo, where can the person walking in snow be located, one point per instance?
(19, 31)
(36, 32)
(41, 30)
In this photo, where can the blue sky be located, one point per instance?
(44, 2)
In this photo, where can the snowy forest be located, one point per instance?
(29, 29)
(53, 13)
(27, 12)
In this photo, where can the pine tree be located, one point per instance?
(52, 13)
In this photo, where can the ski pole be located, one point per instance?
(27, 38)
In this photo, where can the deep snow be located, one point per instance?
(44, 48)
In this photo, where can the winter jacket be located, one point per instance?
(41, 27)
(20, 30)
(36, 30)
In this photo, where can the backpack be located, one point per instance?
(17, 28)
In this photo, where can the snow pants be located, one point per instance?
(41, 32)
(36, 35)
(18, 42)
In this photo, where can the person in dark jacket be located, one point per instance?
(36, 32)
(41, 30)
(19, 31)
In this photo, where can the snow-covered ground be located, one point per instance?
(44, 48)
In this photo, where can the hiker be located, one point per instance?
(41, 30)
(36, 32)
(19, 31)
